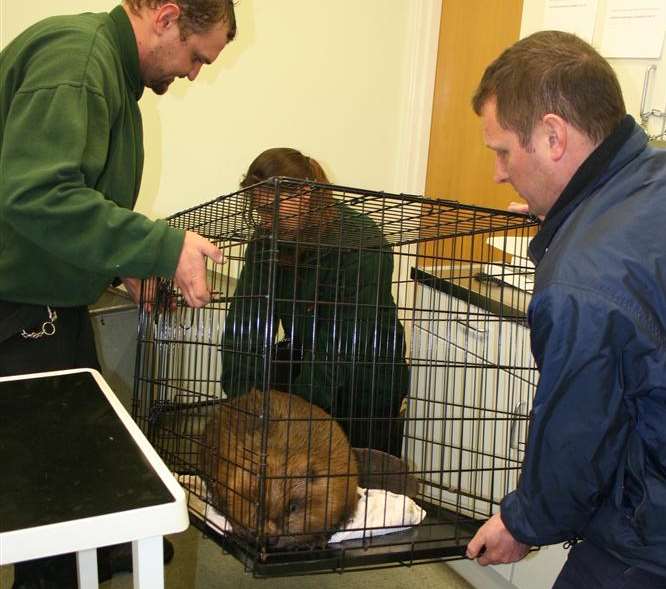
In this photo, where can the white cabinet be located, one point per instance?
(539, 569)
(444, 427)
(468, 408)
(471, 385)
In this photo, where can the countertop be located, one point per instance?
(473, 284)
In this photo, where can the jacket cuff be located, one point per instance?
(533, 529)
(515, 520)
(171, 246)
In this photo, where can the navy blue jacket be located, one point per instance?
(595, 466)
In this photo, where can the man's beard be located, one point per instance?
(156, 79)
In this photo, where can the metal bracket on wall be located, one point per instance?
(646, 112)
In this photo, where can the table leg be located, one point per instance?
(86, 568)
(148, 563)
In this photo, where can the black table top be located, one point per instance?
(65, 455)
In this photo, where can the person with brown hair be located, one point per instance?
(343, 347)
(71, 161)
(594, 472)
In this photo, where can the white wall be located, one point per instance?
(630, 72)
(346, 81)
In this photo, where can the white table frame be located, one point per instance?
(143, 527)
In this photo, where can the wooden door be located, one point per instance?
(472, 34)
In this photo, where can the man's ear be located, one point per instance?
(166, 18)
(556, 134)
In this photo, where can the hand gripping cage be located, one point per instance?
(397, 327)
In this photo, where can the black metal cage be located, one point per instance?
(354, 340)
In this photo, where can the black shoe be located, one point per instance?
(118, 559)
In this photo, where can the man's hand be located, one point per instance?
(523, 208)
(500, 546)
(518, 207)
(190, 274)
(133, 288)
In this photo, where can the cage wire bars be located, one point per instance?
(404, 318)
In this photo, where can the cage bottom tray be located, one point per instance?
(442, 535)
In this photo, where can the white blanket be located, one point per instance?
(379, 512)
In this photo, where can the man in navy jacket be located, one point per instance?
(595, 465)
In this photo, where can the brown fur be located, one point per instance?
(310, 478)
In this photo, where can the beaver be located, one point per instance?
(303, 490)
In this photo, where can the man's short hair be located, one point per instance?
(197, 16)
(552, 72)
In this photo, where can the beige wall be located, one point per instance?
(347, 81)
(630, 72)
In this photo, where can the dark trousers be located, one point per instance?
(71, 346)
(589, 567)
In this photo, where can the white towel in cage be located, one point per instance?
(379, 512)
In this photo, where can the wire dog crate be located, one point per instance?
(363, 364)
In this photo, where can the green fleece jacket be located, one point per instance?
(71, 159)
(335, 301)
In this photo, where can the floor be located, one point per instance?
(199, 563)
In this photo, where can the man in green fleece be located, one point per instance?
(71, 161)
